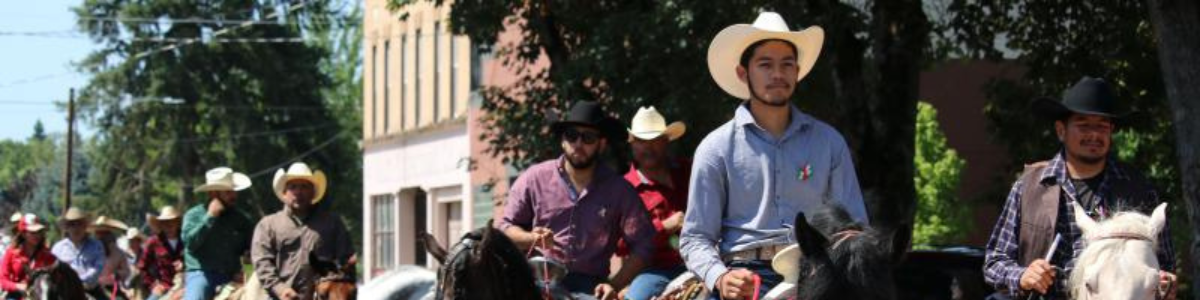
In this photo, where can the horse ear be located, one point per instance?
(433, 247)
(1158, 219)
(812, 242)
(1085, 222)
(901, 241)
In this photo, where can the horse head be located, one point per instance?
(841, 259)
(56, 281)
(485, 264)
(337, 279)
(1118, 259)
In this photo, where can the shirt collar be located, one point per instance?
(743, 117)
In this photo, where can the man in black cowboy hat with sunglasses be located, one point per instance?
(574, 209)
(1083, 171)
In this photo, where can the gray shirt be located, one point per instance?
(747, 187)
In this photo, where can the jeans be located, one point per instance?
(581, 286)
(201, 285)
(651, 282)
(769, 279)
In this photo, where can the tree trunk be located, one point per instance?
(1177, 26)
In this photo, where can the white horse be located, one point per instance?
(1118, 260)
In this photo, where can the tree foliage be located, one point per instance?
(942, 218)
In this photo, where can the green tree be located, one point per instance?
(626, 54)
(249, 95)
(941, 218)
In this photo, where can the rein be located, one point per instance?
(1123, 236)
(545, 271)
(844, 235)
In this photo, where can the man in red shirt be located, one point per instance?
(662, 184)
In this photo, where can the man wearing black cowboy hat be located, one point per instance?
(574, 209)
(1082, 172)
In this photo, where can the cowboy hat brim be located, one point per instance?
(240, 182)
(673, 132)
(317, 178)
(1054, 110)
(725, 52)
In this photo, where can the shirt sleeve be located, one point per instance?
(93, 261)
(518, 209)
(262, 254)
(707, 195)
(196, 225)
(5, 271)
(1000, 266)
(844, 183)
(638, 231)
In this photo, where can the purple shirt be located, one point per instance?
(586, 230)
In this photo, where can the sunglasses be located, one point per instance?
(572, 135)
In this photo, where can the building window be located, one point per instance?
(437, 70)
(387, 83)
(383, 232)
(374, 85)
(417, 85)
(403, 79)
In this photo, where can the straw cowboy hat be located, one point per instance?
(105, 223)
(224, 179)
(725, 52)
(75, 214)
(1089, 96)
(165, 214)
(302, 172)
(133, 233)
(648, 124)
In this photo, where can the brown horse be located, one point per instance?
(338, 280)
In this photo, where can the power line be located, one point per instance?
(72, 35)
(215, 34)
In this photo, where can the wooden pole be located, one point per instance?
(70, 150)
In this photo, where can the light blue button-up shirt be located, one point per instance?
(87, 260)
(747, 187)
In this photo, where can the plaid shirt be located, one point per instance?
(1001, 266)
(158, 261)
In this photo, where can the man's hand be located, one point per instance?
(542, 237)
(1166, 285)
(605, 291)
(21, 287)
(1038, 276)
(736, 284)
(673, 223)
(288, 294)
(215, 207)
(159, 289)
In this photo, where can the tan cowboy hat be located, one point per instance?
(75, 214)
(648, 124)
(133, 233)
(725, 52)
(165, 214)
(104, 222)
(302, 172)
(223, 179)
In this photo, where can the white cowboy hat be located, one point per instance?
(725, 52)
(223, 179)
(74, 214)
(648, 124)
(166, 213)
(300, 171)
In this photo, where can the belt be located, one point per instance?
(766, 253)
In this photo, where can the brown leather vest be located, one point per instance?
(1040, 204)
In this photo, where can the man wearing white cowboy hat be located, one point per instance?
(162, 254)
(215, 235)
(283, 241)
(662, 185)
(84, 253)
(751, 176)
(575, 209)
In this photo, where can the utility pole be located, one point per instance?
(70, 150)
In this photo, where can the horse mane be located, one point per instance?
(491, 258)
(1109, 251)
(64, 283)
(844, 258)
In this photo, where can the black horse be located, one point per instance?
(54, 282)
(484, 264)
(844, 259)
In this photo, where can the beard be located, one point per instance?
(757, 98)
(585, 162)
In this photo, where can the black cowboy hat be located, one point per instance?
(590, 114)
(1090, 96)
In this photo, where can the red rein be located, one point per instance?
(545, 272)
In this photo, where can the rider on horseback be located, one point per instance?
(28, 252)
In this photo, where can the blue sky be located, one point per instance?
(36, 71)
